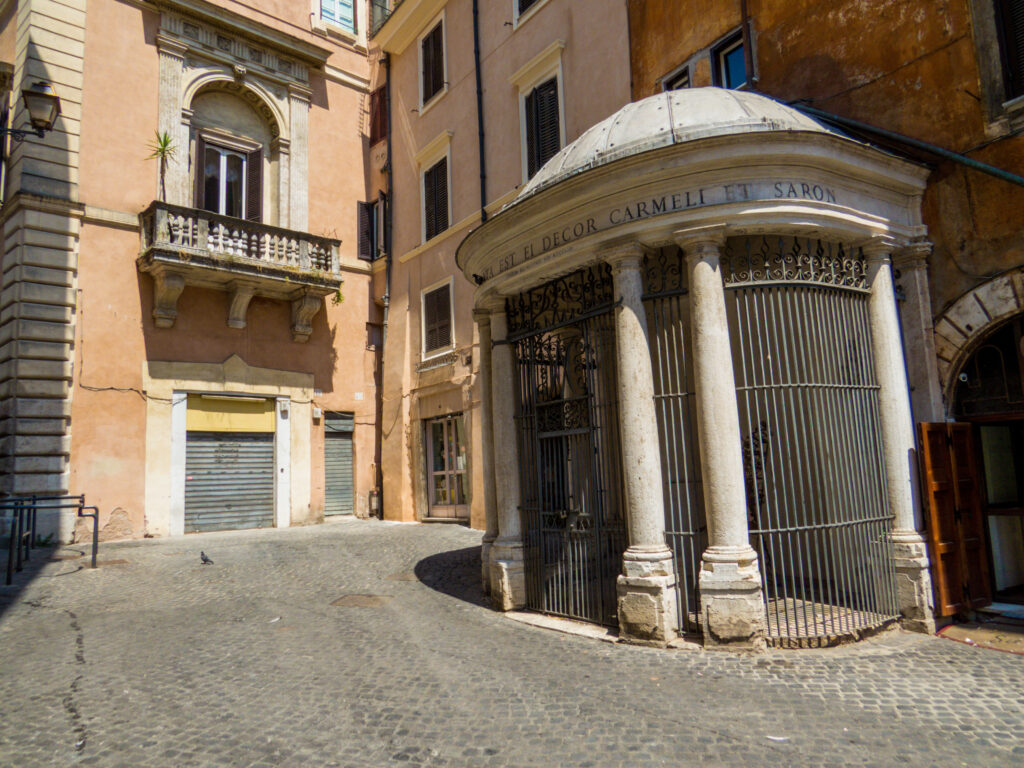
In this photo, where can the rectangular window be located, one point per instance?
(1010, 21)
(437, 319)
(728, 63)
(228, 181)
(378, 116)
(435, 199)
(432, 63)
(543, 132)
(677, 80)
(340, 13)
(370, 226)
(446, 466)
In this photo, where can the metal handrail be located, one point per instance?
(23, 525)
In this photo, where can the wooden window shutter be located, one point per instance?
(530, 107)
(364, 224)
(1011, 23)
(435, 199)
(199, 169)
(254, 185)
(438, 60)
(548, 128)
(378, 116)
(524, 5)
(437, 319)
(951, 496)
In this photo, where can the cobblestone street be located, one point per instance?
(367, 644)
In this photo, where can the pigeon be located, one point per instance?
(205, 559)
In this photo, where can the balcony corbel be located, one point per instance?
(167, 287)
(304, 309)
(240, 295)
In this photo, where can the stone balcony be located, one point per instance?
(186, 246)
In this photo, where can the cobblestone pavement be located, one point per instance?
(367, 644)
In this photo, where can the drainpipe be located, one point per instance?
(479, 110)
(748, 49)
(390, 203)
(899, 138)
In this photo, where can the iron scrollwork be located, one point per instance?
(560, 300)
(793, 260)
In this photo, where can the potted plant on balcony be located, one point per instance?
(163, 149)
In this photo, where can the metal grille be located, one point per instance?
(668, 327)
(808, 403)
(574, 532)
(338, 485)
(229, 481)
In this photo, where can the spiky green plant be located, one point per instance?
(162, 149)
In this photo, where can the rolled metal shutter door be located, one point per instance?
(229, 481)
(338, 492)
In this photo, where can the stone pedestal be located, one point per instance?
(914, 594)
(507, 575)
(646, 593)
(732, 604)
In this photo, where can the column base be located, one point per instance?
(485, 566)
(508, 576)
(647, 597)
(732, 602)
(914, 596)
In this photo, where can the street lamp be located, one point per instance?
(43, 106)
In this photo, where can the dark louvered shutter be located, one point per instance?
(548, 129)
(530, 106)
(433, 63)
(524, 5)
(378, 116)
(254, 185)
(364, 223)
(437, 319)
(199, 171)
(1011, 22)
(435, 199)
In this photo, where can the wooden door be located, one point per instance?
(955, 524)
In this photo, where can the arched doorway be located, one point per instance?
(989, 395)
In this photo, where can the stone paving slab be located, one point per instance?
(267, 659)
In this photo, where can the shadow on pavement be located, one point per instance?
(455, 573)
(30, 570)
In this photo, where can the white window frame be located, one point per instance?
(539, 69)
(424, 355)
(522, 18)
(429, 156)
(725, 45)
(676, 73)
(325, 26)
(221, 193)
(443, 21)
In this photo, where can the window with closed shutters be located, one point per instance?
(432, 62)
(378, 116)
(437, 320)
(543, 129)
(435, 199)
(1010, 20)
(340, 13)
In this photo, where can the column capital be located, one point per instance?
(490, 304)
(481, 316)
(913, 255)
(623, 256)
(699, 241)
(879, 247)
(171, 46)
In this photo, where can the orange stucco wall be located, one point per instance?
(115, 333)
(912, 68)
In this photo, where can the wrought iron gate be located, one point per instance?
(667, 305)
(808, 403)
(574, 529)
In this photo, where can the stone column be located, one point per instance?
(508, 578)
(298, 171)
(171, 121)
(913, 584)
(483, 322)
(911, 262)
(646, 588)
(732, 603)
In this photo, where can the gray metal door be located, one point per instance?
(229, 481)
(574, 533)
(338, 463)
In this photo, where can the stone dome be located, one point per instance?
(673, 117)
